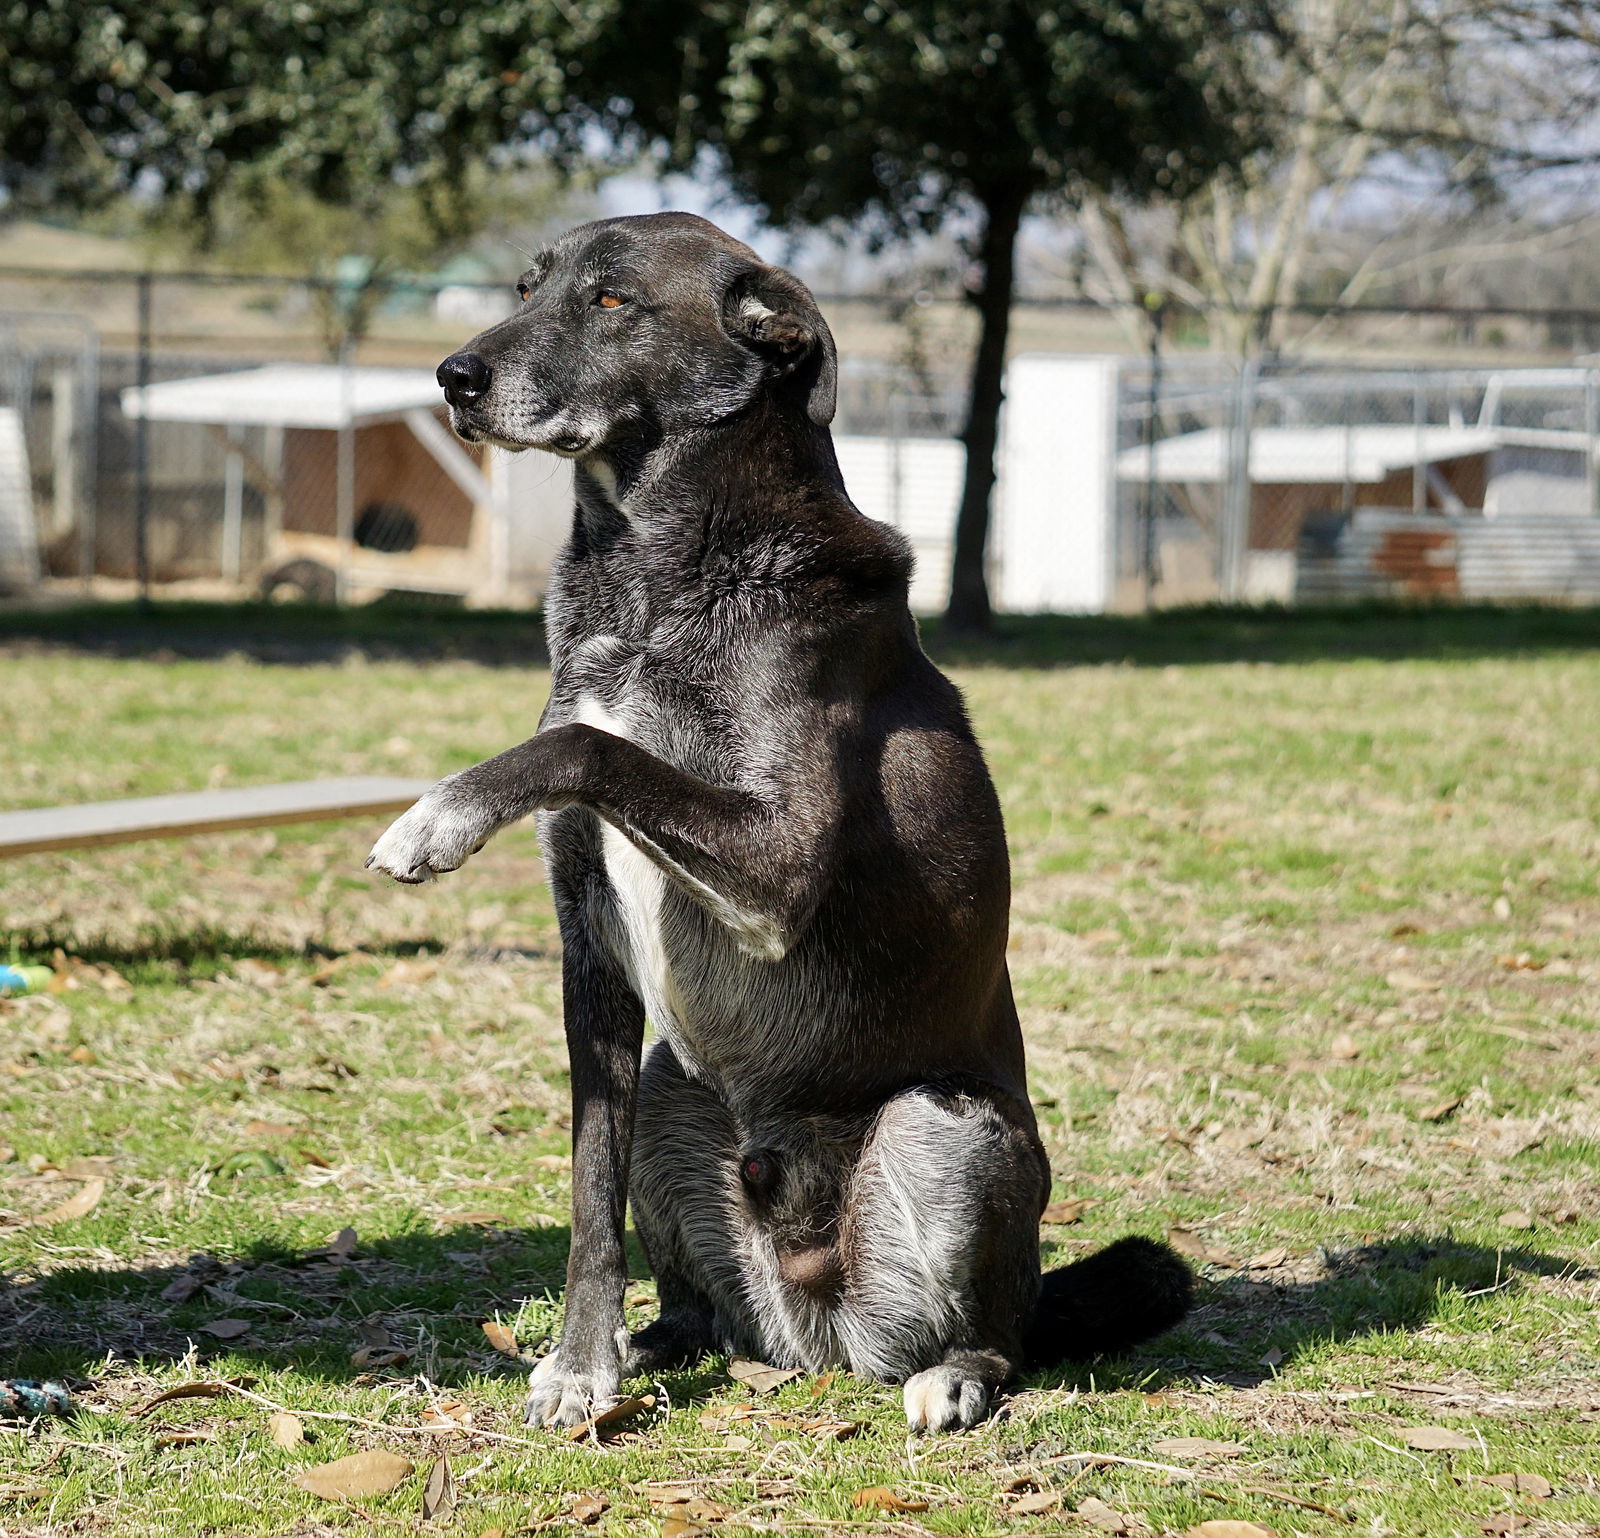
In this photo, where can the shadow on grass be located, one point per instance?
(1242, 1317)
(202, 950)
(430, 1294)
(400, 631)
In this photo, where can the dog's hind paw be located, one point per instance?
(559, 1396)
(945, 1398)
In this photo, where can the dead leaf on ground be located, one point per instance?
(1438, 1439)
(882, 1498)
(438, 1490)
(452, 1415)
(588, 1509)
(1535, 1486)
(210, 1388)
(822, 1385)
(1187, 1242)
(678, 1527)
(227, 1329)
(759, 1376)
(1271, 1357)
(182, 1288)
(257, 973)
(1197, 1447)
(378, 1356)
(78, 1205)
(1268, 1260)
(1066, 1212)
(339, 1248)
(375, 1472)
(1093, 1510)
(831, 1430)
(1229, 1527)
(1503, 1522)
(1037, 1503)
(406, 973)
(273, 1129)
(612, 1415)
(1441, 1110)
(1516, 1219)
(1344, 1047)
(286, 1429)
(501, 1336)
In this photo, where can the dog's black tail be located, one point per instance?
(1107, 1302)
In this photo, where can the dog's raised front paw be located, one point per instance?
(436, 835)
(562, 1396)
(945, 1399)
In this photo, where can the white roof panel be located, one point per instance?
(288, 395)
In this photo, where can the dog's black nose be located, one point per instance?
(464, 376)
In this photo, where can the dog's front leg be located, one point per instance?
(605, 1033)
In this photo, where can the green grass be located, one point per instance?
(1286, 885)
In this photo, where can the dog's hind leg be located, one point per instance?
(686, 1211)
(940, 1241)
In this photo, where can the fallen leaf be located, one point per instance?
(286, 1429)
(182, 1288)
(438, 1490)
(759, 1376)
(211, 1388)
(1267, 1260)
(404, 973)
(1187, 1242)
(1039, 1501)
(450, 1416)
(227, 1329)
(882, 1498)
(1344, 1048)
(1516, 1219)
(677, 1527)
(79, 1205)
(1437, 1439)
(82, 1054)
(832, 1430)
(370, 1473)
(1093, 1510)
(1503, 1522)
(273, 1129)
(1441, 1110)
(1066, 1212)
(822, 1385)
(378, 1356)
(185, 1438)
(501, 1336)
(1196, 1447)
(1229, 1527)
(257, 973)
(623, 1409)
(588, 1509)
(1412, 982)
(1271, 1357)
(1535, 1486)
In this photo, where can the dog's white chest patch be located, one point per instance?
(639, 886)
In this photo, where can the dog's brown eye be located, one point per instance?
(609, 301)
(523, 291)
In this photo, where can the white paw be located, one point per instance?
(436, 835)
(559, 1396)
(945, 1399)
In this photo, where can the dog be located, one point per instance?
(770, 832)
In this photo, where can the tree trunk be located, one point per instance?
(969, 583)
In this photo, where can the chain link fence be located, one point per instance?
(228, 437)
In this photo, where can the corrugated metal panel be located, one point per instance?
(1392, 554)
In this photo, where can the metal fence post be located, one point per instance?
(1591, 426)
(1419, 469)
(1151, 553)
(344, 510)
(1236, 496)
(141, 451)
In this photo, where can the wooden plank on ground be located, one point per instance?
(40, 829)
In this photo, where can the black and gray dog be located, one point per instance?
(771, 833)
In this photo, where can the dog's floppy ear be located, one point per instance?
(773, 311)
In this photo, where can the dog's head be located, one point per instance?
(633, 330)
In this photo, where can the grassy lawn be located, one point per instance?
(1306, 938)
